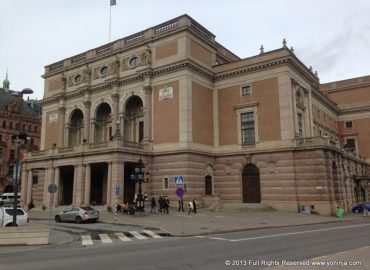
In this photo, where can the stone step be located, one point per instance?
(252, 207)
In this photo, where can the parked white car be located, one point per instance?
(6, 217)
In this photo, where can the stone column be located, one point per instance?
(23, 186)
(310, 113)
(148, 114)
(122, 124)
(117, 179)
(115, 98)
(29, 187)
(92, 131)
(66, 135)
(87, 106)
(48, 175)
(109, 184)
(80, 185)
(57, 183)
(87, 184)
(74, 193)
(61, 112)
(185, 111)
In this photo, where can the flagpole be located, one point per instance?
(110, 19)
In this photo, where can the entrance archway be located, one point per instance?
(251, 184)
(66, 185)
(98, 192)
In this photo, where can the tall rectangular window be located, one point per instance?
(300, 125)
(165, 183)
(248, 128)
(351, 144)
(246, 90)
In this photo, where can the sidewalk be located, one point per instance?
(207, 222)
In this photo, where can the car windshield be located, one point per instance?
(87, 208)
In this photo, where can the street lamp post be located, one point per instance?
(139, 176)
(19, 136)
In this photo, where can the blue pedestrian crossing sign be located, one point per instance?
(179, 180)
(117, 189)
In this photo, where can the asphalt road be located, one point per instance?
(254, 249)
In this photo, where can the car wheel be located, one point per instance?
(57, 219)
(356, 211)
(11, 225)
(78, 220)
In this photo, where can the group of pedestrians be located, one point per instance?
(193, 205)
(164, 205)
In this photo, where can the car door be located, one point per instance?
(75, 212)
(66, 215)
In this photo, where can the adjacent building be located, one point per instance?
(255, 130)
(11, 106)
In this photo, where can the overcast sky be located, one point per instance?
(332, 36)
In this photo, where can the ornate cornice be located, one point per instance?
(252, 68)
(355, 110)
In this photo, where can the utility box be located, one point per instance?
(305, 209)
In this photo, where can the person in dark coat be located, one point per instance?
(181, 205)
(195, 204)
(153, 205)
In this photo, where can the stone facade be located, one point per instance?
(253, 130)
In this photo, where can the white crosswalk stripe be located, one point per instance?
(86, 240)
(122, 237)
(138, 235)
(105, 239)
(152, 234)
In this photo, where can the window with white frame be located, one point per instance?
(351, 144)
(349, 124)
(165, 183)
(247, 126)
(246, 90)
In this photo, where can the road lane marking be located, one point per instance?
(218, 238)
(138, 235)
(86, 240)
(294, 233)
(152, 234)
(105, 239)
(122, 237)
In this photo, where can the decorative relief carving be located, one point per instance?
(227, 169)
(53, 118)
(165, 93)
(272, 167)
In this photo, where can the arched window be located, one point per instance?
(134, 120)
(76, 127)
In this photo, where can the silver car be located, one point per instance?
(78, 214)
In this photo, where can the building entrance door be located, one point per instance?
(251, 184)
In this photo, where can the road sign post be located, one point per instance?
(52, 188)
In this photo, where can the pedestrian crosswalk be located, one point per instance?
(108, 238)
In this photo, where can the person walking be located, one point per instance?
(181, 205)
(166, 203)
(191, 209)
(153, 205)
(365, 210)
(195, 205)
(160, 202)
